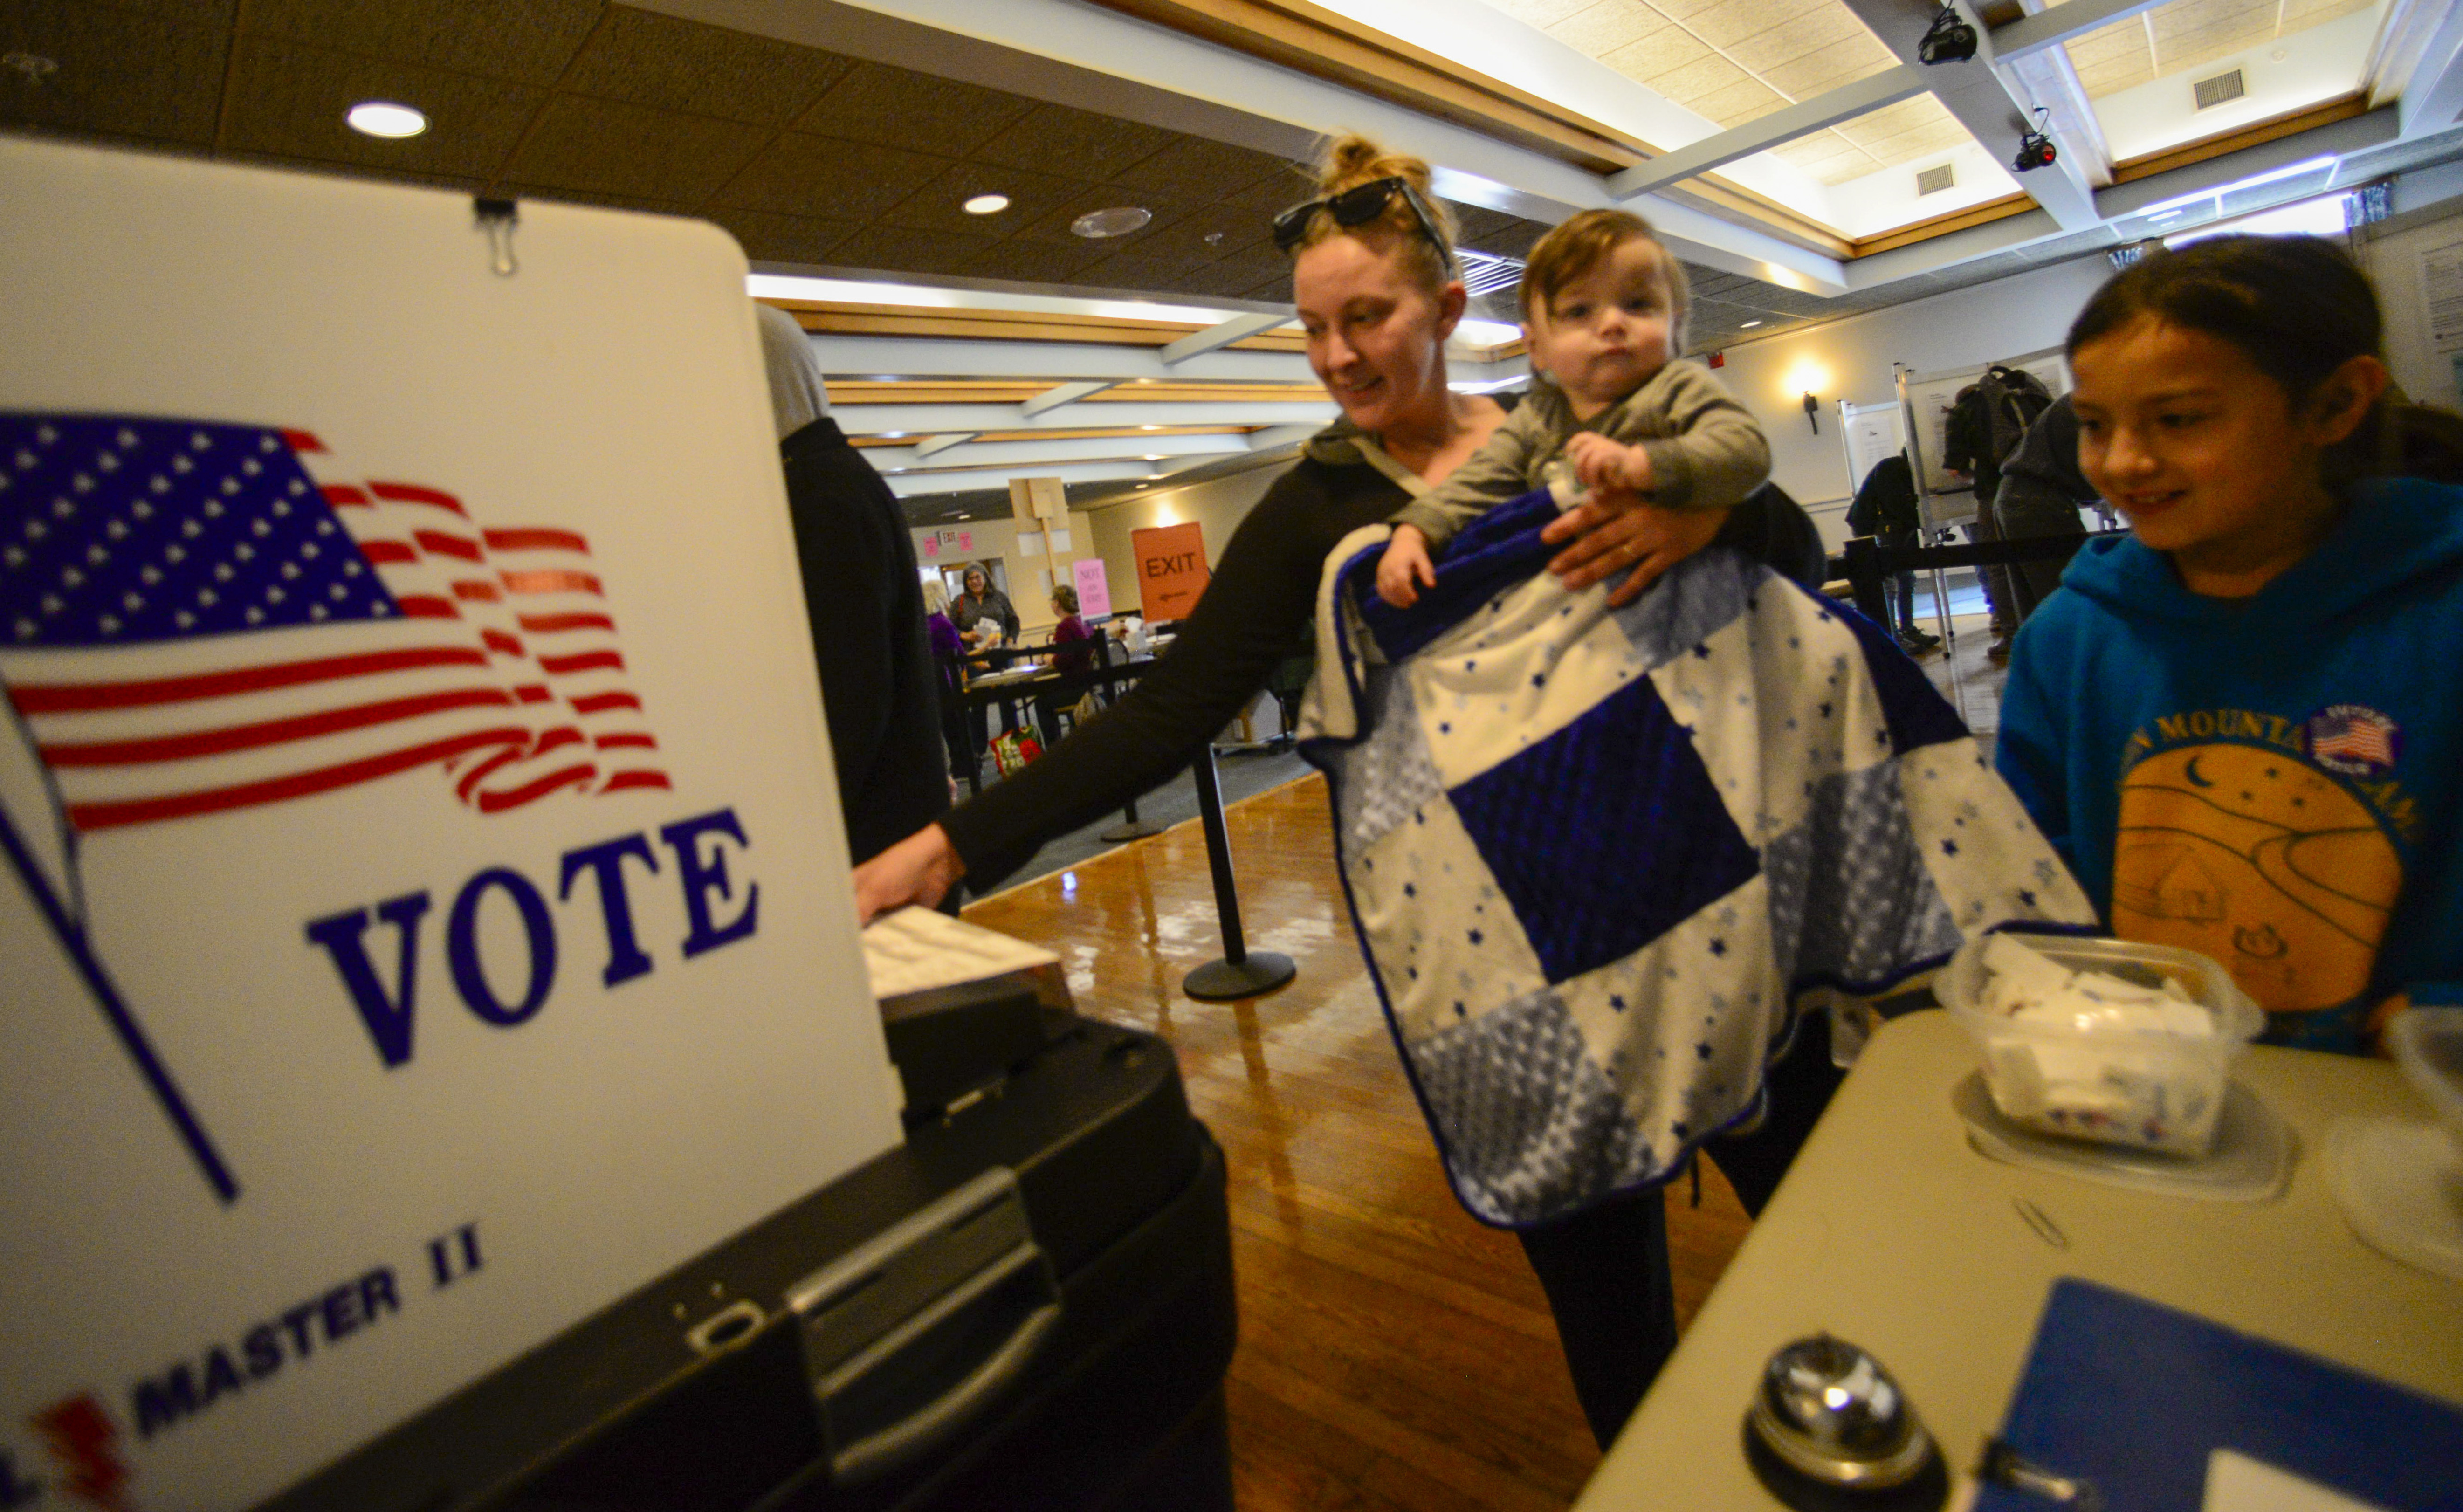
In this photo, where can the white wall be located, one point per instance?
(2393, 261)
(1029, 583)
(1217, 505)
(1851, 360)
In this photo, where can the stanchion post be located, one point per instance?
(1130, 826)
(1241, 973)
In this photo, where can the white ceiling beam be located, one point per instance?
(907, 484)
(934, 419)
(2053, 27)
(1077, 448)
(2052, 80)
(1780, 127)
(1239, 328)
(1061, 394)
(1992, 108)
(933, 445)
(2433, 89)
(1052, 362)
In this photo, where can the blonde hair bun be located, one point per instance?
(1352, 160)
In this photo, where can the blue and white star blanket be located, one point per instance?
(1599, 858)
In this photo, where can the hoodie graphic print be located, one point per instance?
(2271, 781)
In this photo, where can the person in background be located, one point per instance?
(983, 614)
(1073, 651)
(1377, 293)
(1885, 509)
(949, 658)
(2239, 723)
(864, 600)
(2041, 489)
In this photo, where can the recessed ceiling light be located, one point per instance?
(1149, 428)
(986, 205)
(1118, 221)
(1748, 326)
(1151, 456)
(892, 435)
(382, 118)
(1142, 485)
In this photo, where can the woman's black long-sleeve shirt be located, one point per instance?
(1257, 609)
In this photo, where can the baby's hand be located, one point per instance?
(1603, 465)
(1404, 568)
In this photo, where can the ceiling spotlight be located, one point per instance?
(1950, 39)
(986, 205)
(1118, 221)
(1748, 326)
(382, 117)
(2035, 148)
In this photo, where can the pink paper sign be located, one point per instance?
(1093, 592)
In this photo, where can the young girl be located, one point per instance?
(2240, 723)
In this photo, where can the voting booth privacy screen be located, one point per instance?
(421, 889)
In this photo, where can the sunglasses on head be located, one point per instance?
(1357, 206)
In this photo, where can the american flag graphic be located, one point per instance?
(196, 618)
(200, 618)
(2350, 733)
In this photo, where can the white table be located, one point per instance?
(1891, 1233)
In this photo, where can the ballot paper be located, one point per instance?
(2238, 1483)
(916, 950)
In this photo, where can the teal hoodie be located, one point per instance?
(2270, 780)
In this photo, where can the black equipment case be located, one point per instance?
(1028, 1305)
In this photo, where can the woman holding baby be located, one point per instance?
(1378, 291)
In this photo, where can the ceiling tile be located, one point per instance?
(1598, 30)
(1732, 21)
(1474, 223)
(1834, 33)
(1739, 103)
(1698, 79)
(289, 98)
(1127, 270)
(1289, 185)
(894, 107)
(530, 42)
(892, 249)
(1195, 166)
(1055, 139)
(2180, 17)
(783, 238)
(647, 60)
(1231, 229)
(803, 175)
(1511, 241)
(1032, 262)
(1660, 52)
(2299, 15)
(1226, 281)
(1542, 13)
(940, 205)
(1811, 75)
(1685, 10)
(138, 76)
(603, 144)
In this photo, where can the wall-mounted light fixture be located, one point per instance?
(1812, 413)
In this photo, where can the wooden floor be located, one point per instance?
(1394, 1353)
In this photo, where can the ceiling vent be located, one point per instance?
(1486, 273)
(1932, 180)
(2213, 91)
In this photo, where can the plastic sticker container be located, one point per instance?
(2149, 1089)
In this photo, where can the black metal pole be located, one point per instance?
(1130, 826)
(1241, 973)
